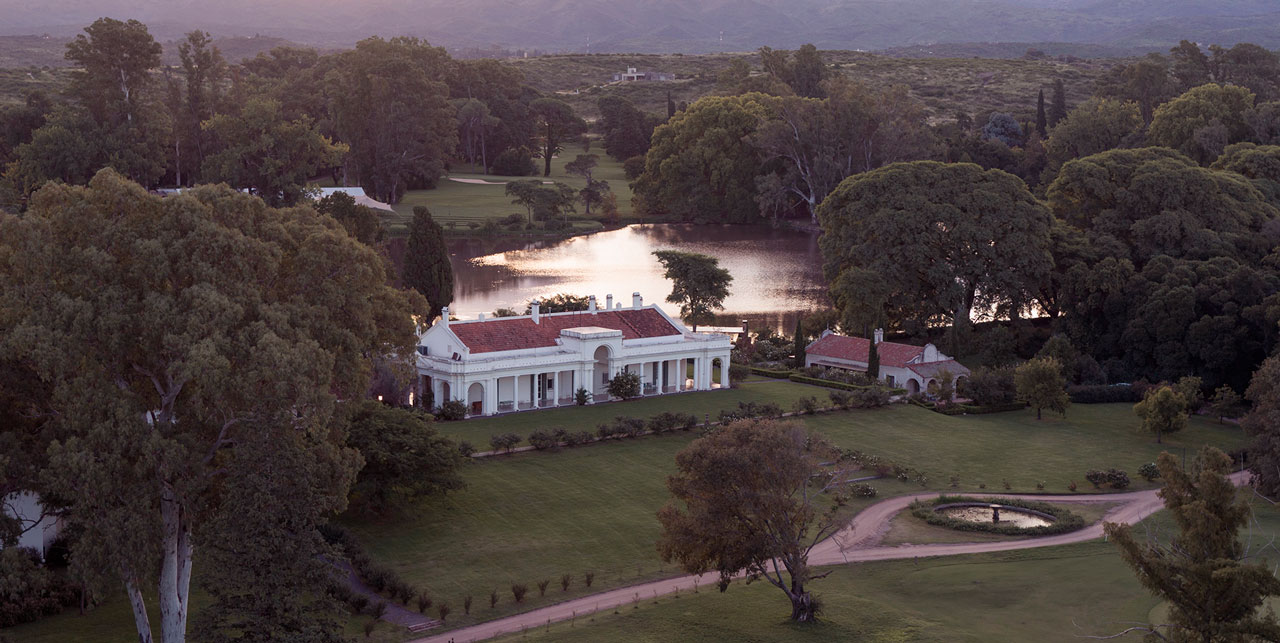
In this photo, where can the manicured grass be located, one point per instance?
(1014, 446)
(1050, 594)
(586, 418)
(455, 205)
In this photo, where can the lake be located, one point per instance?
(777, 273)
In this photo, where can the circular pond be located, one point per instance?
(995, 514)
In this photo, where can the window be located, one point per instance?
(889, 380)
(424, 350)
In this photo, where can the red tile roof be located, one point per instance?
(933, 369)
(858, 349)
(516, 333)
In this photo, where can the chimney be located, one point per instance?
(481, 317)
(746, 332)
(444, 316)
(636, 300)
(879, 336)
(591, 304)
(608, 302)
(534, 314)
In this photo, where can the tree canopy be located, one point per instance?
(1203, 121)
(698, 283)
(426, 262)
(178, 336)
(925, 242)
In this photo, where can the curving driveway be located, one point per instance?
(853, 544)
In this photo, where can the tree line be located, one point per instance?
(390, 115)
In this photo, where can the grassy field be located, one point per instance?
(458, 206)
(1050, 594)
(586, 418)
(1014, 446)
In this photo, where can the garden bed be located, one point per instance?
(1063, 520)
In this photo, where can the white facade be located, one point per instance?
(540, 361)
(914, 368)
(39, 530)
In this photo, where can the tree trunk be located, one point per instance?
(140, 620)
(1038, 413)
(802, 606)
(175, 570)
(546, 156)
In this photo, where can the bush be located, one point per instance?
(1149, 471)
(424, 603)
(747, 410)
(504, 442)
(565, 581)
(624, 385)
(466, 605)
(579, 438)
(28, 590)
(514, 161)
(621, 427)
(518, 591)
(806, 405)
(1114, 478)
(862, 490)
(989, 386)
(780, 374)
(443, 610)
(817, 381)
(466, 449)
(841, 399)
(493, 598)
(581, 397)
(1105, 394)
(588, 577)
(543, 439)
(633, 167)
(668, 421)
(738, 372)
(451, 410)
(1192, 390)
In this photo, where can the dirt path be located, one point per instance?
(855, 543)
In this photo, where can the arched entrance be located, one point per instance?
(913, 387)
(717, 373)
(445, 395)
(600, 374)
(933, 387)
(475, 399)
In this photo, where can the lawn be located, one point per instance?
(456, 205)
(1014, 446)
(1050, 594)
(585, 418)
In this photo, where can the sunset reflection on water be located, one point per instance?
(777, 274)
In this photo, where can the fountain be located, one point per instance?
(1003, 515)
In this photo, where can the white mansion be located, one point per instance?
(541, 360)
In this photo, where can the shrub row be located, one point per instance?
(768, 372)
(1064, 522)
(747, 410)
(382, 580)
(1114, 478)
(805, 379)
(866, 398)
(972, 409)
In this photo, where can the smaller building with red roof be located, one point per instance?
(915, 368)
(540, 360)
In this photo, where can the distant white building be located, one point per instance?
(539, 360)
(359, 195)
(632, 75)
(39, 529)
(915, 368)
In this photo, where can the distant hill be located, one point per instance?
(664, 26)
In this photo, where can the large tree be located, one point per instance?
(698, 284)
(755, 497)
(625, 128)
(393, 111)
(426, 262)
(1262, 425)
(925, 243)
(258, 150)
(116, 58)
(701, 165)
(195, 101)
(1041, 385)
(1203, 121)
(404, 456)
(1216, 588)
(557, 124)
(1094, 126)
(178, 336)
(1163, 410)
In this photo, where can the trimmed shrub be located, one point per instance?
(668, 421)
(518, 591)
(1149, 471)
(542, 586)
(543, 439)
(806, 405)
(737, 373)
(989, 386)
(565, 581)
(504, 442)
(780, 374)
(466, 449)
(451, 411)
(1114, 478)
(28, 590)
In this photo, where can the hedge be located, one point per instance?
(1104, 394)
(1066, 520)
(766, 372)
(972, 409)
(804, 379)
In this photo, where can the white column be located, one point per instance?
(724, 372)
(491, 396)
(706, 373)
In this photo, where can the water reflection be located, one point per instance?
(777, 274)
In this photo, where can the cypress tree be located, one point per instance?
(799, 343)
(873, 361)
(1058, 109)
(426, 262)
(671, 106)
(1042, 121)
